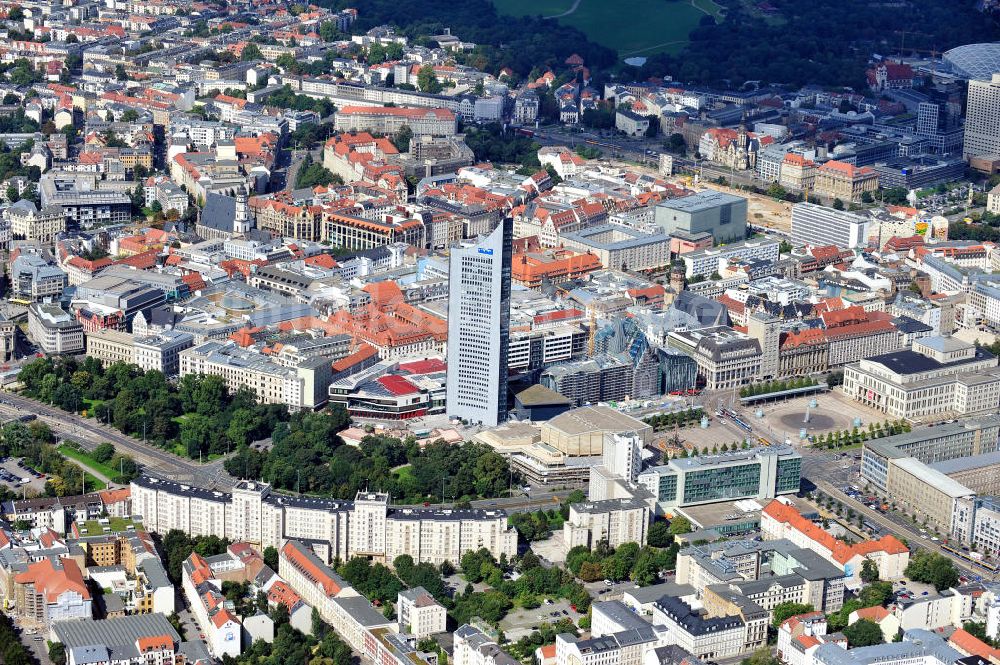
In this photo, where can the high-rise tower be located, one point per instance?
(479, 327)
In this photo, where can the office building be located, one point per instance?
(758, 473)
(706, 261)
(982, 119)
(620, 247)
(303, 386)
(722, 215)
(479, 327)
(973, 437)
(27, 222)
(917, 646)
(81, 206)
(54, 330)
(33, 279)
(940, 376)
(844, 181)
(820, 226)
(388, 120)
(726, 358)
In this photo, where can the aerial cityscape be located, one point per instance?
(501, 332)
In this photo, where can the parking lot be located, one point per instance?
(12, 475)
(521, 622)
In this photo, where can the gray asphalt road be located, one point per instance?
(90, 433)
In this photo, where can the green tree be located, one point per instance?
(271, 557)
(659, 534)
(103, 453)
(57, 653)
(251, 52)
(869, 571)
(863, 633)
(680, 524)
(402, 138)
(783, 611)
(120, 72)
(427, 80)
(838, 204)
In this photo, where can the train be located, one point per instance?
(973, 558)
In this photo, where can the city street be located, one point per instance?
(89, 433)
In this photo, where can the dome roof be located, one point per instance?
(976, 61)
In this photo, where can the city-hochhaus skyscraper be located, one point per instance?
(479, 327)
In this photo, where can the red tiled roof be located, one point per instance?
(841, 552)
(971, 645)
(397, 385)
(426, 366)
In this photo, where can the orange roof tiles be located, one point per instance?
(53, 582)
(876, 613)
(155, 643)
(840, 551)
(971, 645)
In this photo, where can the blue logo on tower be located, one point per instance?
(487, 252)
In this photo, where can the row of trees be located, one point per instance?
(777, 386)
(12, 652)
(662, 421)
(307, 456)
(842, 438)
(198, 413)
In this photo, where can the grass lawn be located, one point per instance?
(403, 472)
(709, 7)
(663, 25)
(87, 460)
(117, 525)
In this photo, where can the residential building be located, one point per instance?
(419, 614)
(818, 225)
(51, 590)
(338, 529)
(616, 521)
(54, 330)
(388, 120)
(478, 327)
(472, 646)
(710, 637)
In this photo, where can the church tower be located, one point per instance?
(241, 220)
